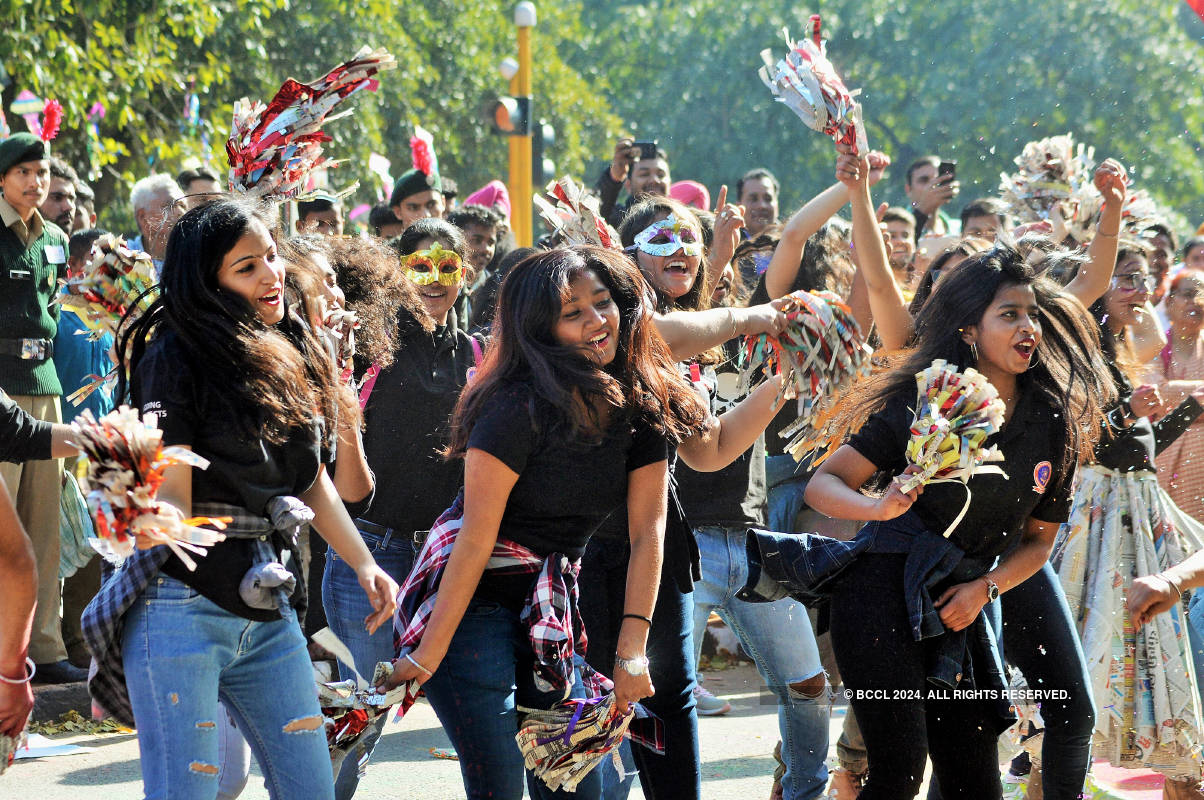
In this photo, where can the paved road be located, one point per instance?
(736, 754)
(737, 760)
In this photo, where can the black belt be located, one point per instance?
(416, 537)
(28, 349)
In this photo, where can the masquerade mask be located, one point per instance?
(666, 237)
(435, 265)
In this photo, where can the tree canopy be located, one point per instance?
(968, 82)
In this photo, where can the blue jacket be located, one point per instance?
(804, 567)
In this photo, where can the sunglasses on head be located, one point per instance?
(435, 265)
(1135, 282)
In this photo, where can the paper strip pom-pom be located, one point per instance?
(125, 470)
(823, 351)
(350, 707)
(955, 413)
(576, 217)
(565, 743)
(1054, 170)
(116, 282)
(272, 148)
(807, 83)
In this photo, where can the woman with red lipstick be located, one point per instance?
(566, 422)
(1122, 526)
(230, 371)
(911, 601)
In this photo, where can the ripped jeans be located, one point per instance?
(779, 638)
(185, 658)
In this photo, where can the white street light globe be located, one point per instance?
(524, 15)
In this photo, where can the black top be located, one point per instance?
(406, 425)
(734, 496)
(23, 437)
(1133, 447)
(565, 488)
(242, 471)
(1032, 442)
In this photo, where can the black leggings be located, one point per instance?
(1040, 639)
(603, 583)
(875, 649)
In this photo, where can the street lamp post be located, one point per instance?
(520, 146)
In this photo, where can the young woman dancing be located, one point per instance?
(230, 372)
(566, 422)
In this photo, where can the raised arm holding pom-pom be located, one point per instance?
(886, 302)
(1092, 279)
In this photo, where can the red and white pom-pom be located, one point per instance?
(422, 151)
(807, 83)
(272, 148)
(52, 117)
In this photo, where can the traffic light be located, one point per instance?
(543, 169)
(510, 116)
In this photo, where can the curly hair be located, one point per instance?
(387, 305)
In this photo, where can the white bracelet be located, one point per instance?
(410, 658)
(33, 669)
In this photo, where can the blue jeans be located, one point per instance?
(786, 480)
(475, 690)
(184, 659)
(779, 638)
(347, 606)
(1195, 634)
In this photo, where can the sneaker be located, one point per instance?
(59, 672)
(709, 705)
(845, 785)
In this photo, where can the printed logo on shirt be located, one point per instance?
(152, 412)
(1041, 475)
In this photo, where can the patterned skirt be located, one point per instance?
(1122, 525)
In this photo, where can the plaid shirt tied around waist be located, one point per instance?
(553, 622)
(103, 621)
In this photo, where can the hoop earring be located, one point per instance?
(974, 351)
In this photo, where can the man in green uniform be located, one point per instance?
(33, 257)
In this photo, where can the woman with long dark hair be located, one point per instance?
(912, 600)
(566, 421)
(228, 370)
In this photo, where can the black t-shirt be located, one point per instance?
(565, 487)
(1134, 446)
(243, 470)
(406, 426)
(1032, 443)
(735, 495)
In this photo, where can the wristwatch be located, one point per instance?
(992, 589)
(633, 666)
